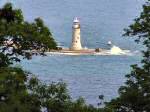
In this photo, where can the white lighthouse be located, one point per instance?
(76, 38)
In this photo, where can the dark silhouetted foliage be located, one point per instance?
(18, 37)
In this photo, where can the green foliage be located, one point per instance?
(19, 93)
(135, 95)
(18, 37)
(11, 15)
(14, 96)
(4, 61)
(55, 98)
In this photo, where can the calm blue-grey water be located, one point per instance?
(101, 21)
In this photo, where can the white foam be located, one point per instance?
(115, 50)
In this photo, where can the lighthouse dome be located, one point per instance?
(76, 20)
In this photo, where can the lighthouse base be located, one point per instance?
(97, 51)
(68, 51)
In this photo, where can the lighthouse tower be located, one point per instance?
(76, 41)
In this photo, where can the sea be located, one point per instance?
(86, 76)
